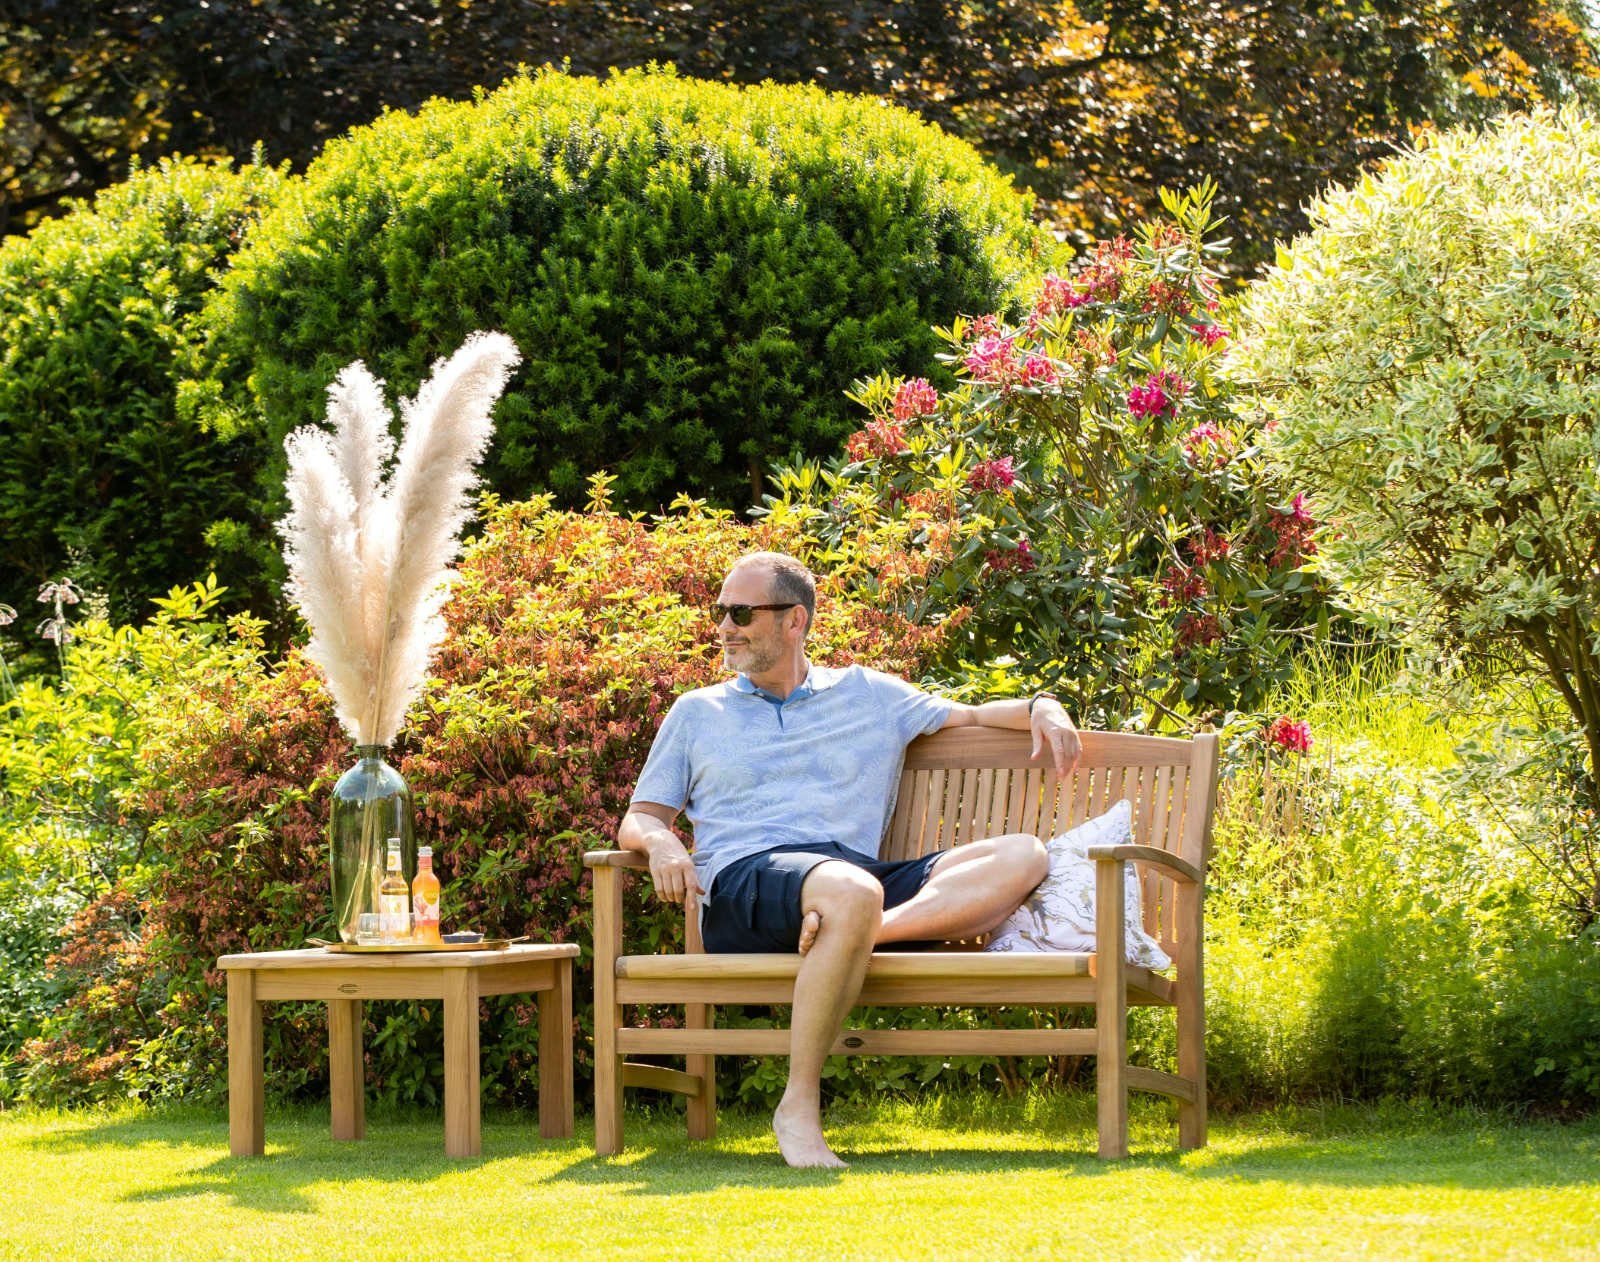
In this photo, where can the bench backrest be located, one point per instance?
(966, 783)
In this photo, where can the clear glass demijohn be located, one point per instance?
(370, 804)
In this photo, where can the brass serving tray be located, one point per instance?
(413, 948)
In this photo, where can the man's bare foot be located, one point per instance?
(800, 1140)
(809, 924)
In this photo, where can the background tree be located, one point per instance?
(1094, 106)
(1427, 354)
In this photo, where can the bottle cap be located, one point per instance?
(424, 852)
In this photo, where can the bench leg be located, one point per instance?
(346, 1076)
(607, 1012)
(555, 1055)
(702, 1107)
(246, 1089)
(1111, 1011)
(462, 1137)
(1191, 1003)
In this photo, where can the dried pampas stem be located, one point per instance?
(369, 558)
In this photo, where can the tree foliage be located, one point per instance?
(1095, 105)
(1427, 354)
(97, 475)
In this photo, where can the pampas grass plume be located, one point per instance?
(369, 555)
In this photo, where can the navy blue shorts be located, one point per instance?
(754, 903)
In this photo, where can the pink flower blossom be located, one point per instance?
(992, 358)
(880, 438)
(1037, 370)
(1289, 734)
(1211, 334)
(992, 475)
(1207, 447)
(914, 398)
(1160, 394)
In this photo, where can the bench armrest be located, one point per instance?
(615, 859)
(1178, 869)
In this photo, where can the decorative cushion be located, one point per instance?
(1059, 914)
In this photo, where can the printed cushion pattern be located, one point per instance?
(1059, 914)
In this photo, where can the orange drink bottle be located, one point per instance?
(425, 899)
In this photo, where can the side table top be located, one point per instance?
(317, 958)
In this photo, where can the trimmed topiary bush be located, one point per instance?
(694, 272)
(94, 308)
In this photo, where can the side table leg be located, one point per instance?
(555, 1055)
(346, 1069)
(246, 1093)
(462, 1137)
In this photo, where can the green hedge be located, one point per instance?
(94, 308)
(694, 272)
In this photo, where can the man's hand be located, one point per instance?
(1054, 730)
(671, 868)
(647, 829)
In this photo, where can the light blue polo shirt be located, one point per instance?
(752, 772)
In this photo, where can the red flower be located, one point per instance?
(1289, 734)
(1211, 334)
(914, 398)
(1208, 546)
(1294, 530)
(1018, 561)
(992, 475)
(881, 439)
(1197, 628)
(1182, 586)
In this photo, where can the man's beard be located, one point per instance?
(758, 659)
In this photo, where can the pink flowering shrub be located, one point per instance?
(1088, 490)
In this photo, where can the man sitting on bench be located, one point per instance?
(788, 774)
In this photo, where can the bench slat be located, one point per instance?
(756, 1042)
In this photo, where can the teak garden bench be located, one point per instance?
(957, 785)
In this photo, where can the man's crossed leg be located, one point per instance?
(968, 891)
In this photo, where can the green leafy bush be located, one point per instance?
(1088, 490)
(569, 637)
(694, 272)
(1370, 933)
(1426, 354)
(95, 469)
(75, 841)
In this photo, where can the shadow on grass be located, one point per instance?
(1382, 1146)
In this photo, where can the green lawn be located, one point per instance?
(959, 1178)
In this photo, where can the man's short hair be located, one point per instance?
(790, 580)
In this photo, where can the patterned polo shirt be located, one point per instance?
(752, 771)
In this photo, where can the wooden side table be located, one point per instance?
(458, 978)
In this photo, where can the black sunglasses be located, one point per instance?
(743, 614)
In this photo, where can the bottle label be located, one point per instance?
(394, 917)
(425, 909)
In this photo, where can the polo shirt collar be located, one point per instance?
(818, 679)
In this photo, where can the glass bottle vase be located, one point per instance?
(371, 803)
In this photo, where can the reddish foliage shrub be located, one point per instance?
(570, 635)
